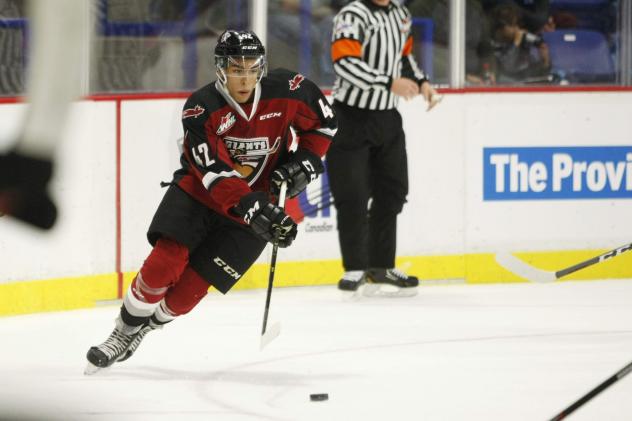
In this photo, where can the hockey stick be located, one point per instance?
(597, 390)
(524, 270)
(268, 335)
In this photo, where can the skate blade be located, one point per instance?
(388, 291)
(270, 334)
(92, 369)
(350, 296)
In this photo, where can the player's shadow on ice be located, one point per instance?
(212, 386)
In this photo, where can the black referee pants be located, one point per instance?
(367, 163)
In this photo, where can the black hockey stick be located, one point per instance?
(268, 335)
(597, 390)
(524, 270)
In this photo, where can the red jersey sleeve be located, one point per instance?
(315, 122)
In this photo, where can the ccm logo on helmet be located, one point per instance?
(229, 270)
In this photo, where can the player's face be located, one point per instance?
(241, 77)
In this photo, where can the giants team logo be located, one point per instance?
(192, 112)
(295, 82)
(250, 155)
(226, 123)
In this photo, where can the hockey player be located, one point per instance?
(219, 211)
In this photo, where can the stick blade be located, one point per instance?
(270, 334)
(524, 270)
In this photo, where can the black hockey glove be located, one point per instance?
(266, 219)
(302, 168)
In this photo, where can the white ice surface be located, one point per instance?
(455, 352)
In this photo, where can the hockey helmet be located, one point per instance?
(235, 47)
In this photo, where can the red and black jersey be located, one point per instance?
(231, 149)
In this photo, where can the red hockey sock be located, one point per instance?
(187, 293)
(162, 269)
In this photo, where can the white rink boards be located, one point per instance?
(449, 211)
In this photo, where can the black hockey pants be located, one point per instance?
(367, 160)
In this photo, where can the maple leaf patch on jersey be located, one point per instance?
(226, 123)
(295, 82)
(192, 112)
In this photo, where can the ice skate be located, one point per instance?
(114, 347)
(138, 338)
(390, 283)
(352, 280)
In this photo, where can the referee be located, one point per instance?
(371, 51)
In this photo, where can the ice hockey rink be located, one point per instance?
(454, 352)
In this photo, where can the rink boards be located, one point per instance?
(546, 175)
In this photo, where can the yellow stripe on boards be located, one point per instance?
(615, 268)
(56, 294)
(85, 292)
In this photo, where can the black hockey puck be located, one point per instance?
(317, 397)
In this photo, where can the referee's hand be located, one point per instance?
(405, 87)
(427, 91)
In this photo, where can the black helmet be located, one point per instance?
(234, 45)
(239, 43)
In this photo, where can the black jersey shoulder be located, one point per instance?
(283, 83)
(206, 99)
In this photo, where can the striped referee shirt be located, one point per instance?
(371, 46)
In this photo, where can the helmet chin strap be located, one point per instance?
(221, 76)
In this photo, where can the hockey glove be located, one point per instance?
(267, 219)
(302, 168)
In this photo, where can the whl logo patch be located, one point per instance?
(295, 82)
(194, 112)
(226, 123)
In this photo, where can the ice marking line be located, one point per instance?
(216, 376)
(429, 342)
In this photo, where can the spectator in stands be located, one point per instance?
(286, 24)
(12, 56)
(513, 54)
(534, 15)
(477, 30)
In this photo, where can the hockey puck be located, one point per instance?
(318, 397)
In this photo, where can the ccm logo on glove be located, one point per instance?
(266, 219)
(302, 168)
